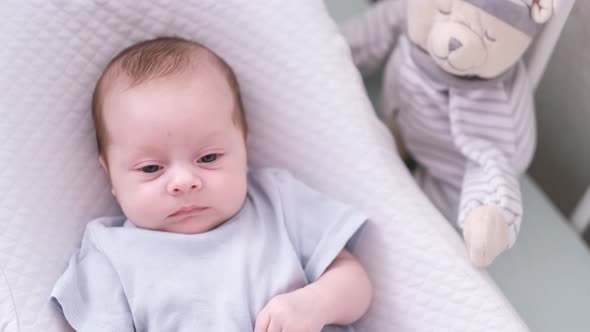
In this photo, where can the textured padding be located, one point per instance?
(306, 109)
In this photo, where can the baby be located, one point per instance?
(205, 244)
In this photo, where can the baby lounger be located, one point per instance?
(307, 111)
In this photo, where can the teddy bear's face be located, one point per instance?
(466, 40)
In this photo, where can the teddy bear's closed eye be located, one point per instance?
(489, 37)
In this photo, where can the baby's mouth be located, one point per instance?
(188, 210)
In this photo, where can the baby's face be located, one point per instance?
(176, 159)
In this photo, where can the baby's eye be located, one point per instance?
(209, 158)
(151, 168)
(444, 12)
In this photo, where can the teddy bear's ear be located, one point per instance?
(541, 10)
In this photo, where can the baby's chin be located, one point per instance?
(190, 226)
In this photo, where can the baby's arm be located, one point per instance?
(340, 296)
(344, 290)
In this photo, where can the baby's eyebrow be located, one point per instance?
(142, 150)
(215, 135)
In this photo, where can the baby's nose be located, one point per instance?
(183, 182)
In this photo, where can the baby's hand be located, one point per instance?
(299, 311)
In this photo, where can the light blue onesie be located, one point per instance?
(125, 278)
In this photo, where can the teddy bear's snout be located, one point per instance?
(454, 44)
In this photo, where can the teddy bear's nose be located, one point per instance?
(454, 44)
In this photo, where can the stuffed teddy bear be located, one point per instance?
(457, 90)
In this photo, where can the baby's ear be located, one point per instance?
(541, 10)
(106, 170)
(103, 164)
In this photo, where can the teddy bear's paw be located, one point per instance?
(486, 234)
(542, 10)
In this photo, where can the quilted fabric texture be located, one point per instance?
(306, 109)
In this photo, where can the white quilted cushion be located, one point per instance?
(306, 109)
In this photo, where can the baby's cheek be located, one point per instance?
(224, 189)
(237, 192)
(141, 207)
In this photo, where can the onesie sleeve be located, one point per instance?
(319, 227)
(90, 294)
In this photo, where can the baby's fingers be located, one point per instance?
(262, 322)
(274, 326)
